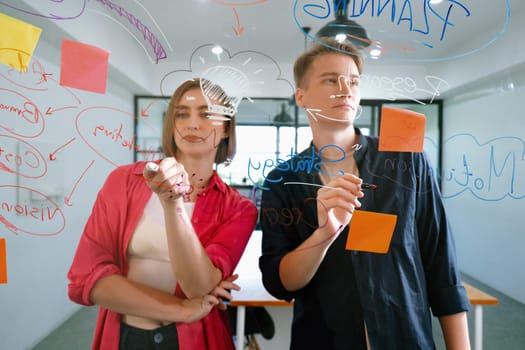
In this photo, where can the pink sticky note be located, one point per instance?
(401, 130)
(84, 66)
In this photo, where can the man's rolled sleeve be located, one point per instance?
(449, 300)
(269, 266)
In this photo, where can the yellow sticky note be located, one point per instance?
(370, 231)
(3, 262)
(401, 130)
(18, 40)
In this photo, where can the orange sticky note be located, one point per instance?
(18, 40)
(370, 231)
(83, 66)
(3, 262)
(401, 130)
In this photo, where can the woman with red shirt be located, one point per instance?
(161, 244)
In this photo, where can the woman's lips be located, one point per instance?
(193, 138)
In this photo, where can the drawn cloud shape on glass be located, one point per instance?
(51, 9)
(103, 130)
(241, 75)
(40, 217)
(21, 117)
(490, 171)
(21, 158)
(416, 31)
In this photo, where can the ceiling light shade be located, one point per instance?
(283, 117)
(217, 49)
(354, 32)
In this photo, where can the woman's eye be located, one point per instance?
(181, 115)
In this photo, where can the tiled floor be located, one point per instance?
(503, 326)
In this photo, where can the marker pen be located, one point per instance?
(367, 186)
(152, 167)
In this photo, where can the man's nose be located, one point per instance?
(344, 84)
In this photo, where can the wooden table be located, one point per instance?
(253, 293)
(478, 299)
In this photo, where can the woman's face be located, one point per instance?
(196, 131)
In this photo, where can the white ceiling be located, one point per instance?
(274, 26)
(409, 32)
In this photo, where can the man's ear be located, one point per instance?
(299, 94)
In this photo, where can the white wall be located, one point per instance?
(484, 130)
(40, 251)
(487, 135)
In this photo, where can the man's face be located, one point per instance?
(331, 92)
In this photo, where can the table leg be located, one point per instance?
(478, 327)
(241, 313)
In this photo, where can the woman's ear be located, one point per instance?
(226, 129)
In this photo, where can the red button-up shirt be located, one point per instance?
(222, 219)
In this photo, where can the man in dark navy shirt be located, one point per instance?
(347, 299)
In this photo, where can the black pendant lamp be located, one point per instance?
(283, 118)
(346, 28)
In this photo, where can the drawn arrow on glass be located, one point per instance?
(52, 154)
(314, 113)
(67, 199)
(53, 110)
(144, 111)
(238, 29)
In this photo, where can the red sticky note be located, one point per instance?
(401, 130)
(83, 66)
(3, 262)
(370, 231)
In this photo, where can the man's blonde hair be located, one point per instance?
(322, 47)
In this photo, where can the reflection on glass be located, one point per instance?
(260, 140)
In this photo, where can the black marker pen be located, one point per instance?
(367, 186)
